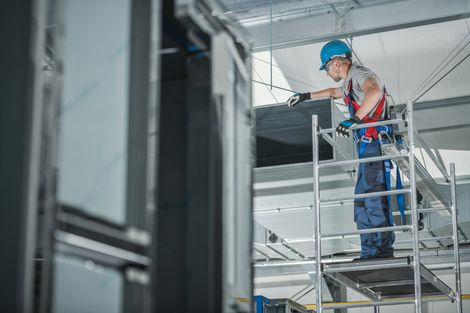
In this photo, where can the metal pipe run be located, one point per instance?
(437, 238)
(365, 160)
(428, 253)
(368, 231)
(430, 210)
(366, 195)
(298, 208)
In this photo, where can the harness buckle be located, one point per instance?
(384, 135)
(366, 139)
(385, 128)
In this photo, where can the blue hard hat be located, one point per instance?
(332, 49)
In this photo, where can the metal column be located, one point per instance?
(455, 237)
(316, 208)
(414, 212)
(23, 42)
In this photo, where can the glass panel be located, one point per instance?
(83, 286)
(93, 142)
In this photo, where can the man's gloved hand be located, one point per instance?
(297, 98)
(343, 127)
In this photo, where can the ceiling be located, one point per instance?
(259, 11)
(403, 59)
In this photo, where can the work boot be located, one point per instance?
(385, 256)
(419, 197)
(370, 257)
(420, 221)
(419, 200)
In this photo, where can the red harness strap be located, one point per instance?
(371, 132)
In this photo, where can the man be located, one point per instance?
(365, 96)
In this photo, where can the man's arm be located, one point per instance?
(329, 92)
(300, 97)
(372, 95)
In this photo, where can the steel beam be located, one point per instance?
(306, 28)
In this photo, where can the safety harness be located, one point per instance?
(363, 136)
(377, 114)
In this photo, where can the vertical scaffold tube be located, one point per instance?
(414, 212)
(455, 236)
(316, 210)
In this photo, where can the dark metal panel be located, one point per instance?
(142, 111)
(204, 194)
(169, 272)
(187, 273)
(22, 26)
(284, 135)
(188, 218)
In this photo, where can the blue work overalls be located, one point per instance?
(371, 212)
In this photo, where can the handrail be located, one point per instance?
(367, 195)
(363, 160)
(365, 125)
(368, 231)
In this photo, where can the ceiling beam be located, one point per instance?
(448, 102)
(361, 20)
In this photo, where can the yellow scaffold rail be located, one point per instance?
(368, 302)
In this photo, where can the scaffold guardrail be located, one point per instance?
(419, 271)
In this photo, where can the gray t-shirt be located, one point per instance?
(359, 74)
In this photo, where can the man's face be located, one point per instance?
(332, 70)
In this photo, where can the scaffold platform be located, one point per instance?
(380, 279)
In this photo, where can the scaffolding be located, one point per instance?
(385, 281)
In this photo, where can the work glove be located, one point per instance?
(343, 127)
(297, 98)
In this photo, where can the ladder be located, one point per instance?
(397, 271)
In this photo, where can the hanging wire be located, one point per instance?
(466, 20)
(267, 85)
(289, 78)
(271, 43)
(350, 43)
(440, 79)
(441, 67)
(274, 86)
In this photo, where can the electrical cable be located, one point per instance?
(466, 20)
(350, 43)
(440, 79)
(274, 86)
(270, 91)
(289, 78)
(447, 60)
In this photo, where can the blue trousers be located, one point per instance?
(372, 212)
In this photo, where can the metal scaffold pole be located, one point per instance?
(316, 209)
(455, 237)
(414, 212)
